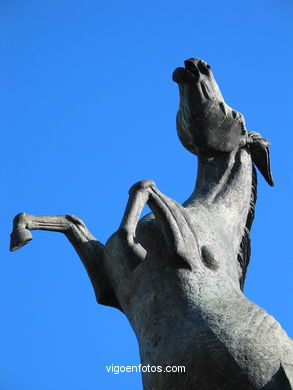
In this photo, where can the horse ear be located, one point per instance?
(260, 154)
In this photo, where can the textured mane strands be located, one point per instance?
(245, 249)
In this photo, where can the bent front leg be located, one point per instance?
(180, 238)
(175, 223)
(133, 250)
(89, 249)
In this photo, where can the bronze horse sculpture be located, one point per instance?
(178, 273)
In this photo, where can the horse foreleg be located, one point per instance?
(180, 238)
(177, 228)
(89, 249)
(133, 251)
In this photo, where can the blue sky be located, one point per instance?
(88, 108)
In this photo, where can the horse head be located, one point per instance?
(206, 124)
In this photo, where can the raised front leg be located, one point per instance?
(180, 238)
(89, 249)
(132, 253)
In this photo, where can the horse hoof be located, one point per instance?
(19, 238)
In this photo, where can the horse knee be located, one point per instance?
(142, 186)
(75, 220)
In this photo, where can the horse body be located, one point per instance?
(188, 312)
(178, 273)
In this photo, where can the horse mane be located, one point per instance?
(243, 256)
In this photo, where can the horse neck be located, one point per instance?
(223, 186)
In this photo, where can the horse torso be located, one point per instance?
(198, 314)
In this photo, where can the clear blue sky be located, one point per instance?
(88, 108)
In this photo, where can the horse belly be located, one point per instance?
(172, 332)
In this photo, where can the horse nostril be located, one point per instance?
(203, 67)
(191, 66)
